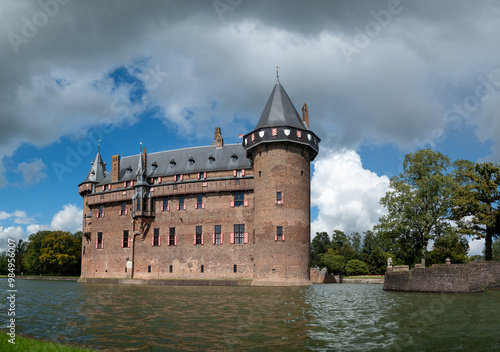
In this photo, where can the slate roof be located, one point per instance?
(279, 111)
(97, 171)
(184, 161)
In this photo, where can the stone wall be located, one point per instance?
(452, 278)
(322, 277)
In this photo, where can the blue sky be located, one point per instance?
(381, 79)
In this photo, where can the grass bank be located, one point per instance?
(24, 343)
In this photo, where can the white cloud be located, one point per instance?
(20, 217)
(68, 219)
(32, 171)
(346, 195)
(4, 215)
(13, 232)
(476, 246)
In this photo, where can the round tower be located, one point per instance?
(281, 148)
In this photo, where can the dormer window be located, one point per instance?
(211, 159)
(172, 163)
(191, 161)
(129, 169)
(154, 165)
(234, 158)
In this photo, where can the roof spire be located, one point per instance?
(99, 146)
(277, 75)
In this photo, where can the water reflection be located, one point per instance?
(343, 317)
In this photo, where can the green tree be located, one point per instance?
(320, 244)
(4, 261)
(355, 238)
(450, 245)
(334, 263)
(31, 258)
(418, 203)
(476, 202)
(341, 245)
(20, 250)
(373, 255)
(60, 253)
(496, 250)
(356, 267)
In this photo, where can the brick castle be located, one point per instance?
(224, 212)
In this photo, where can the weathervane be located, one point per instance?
(277, 75)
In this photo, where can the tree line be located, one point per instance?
(47, 253)
(432, 199)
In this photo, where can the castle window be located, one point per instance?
(126, 184)
(149, 268)
(279, 199)
(239, 235)
(217, 236)
(123, 208)
(178, 178)
(202, 175)
(202, 269)
(181, 205)
(198, 237)
(260, 173)
(199, 202)
(279, 234)
(239, 199)
(100, 213)
(156, 180)
(156, 239)
(235, 268)
(165, 206)
(84, 250)
(125, 239)
(172, 237)
(99, 242)
(171, 269)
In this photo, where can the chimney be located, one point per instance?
(219, 141)
(305, 115)
(115, 171)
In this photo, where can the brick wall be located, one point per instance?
(453, 278)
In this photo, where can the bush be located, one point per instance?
(356, 267)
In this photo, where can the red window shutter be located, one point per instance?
(181, 177)
(299, 134)
(231, 237)
(175, 240)
(202, 205)
(168, 207)
(103, 213)
(162, 208)
(132, 183)
(234, 173)
(123, 242)
(159, 240)
(194, 239)
(177, 206)
(119, 212)
(245, 203)
(159, 179)
(282, 201)
(124, 184)
(184, 206)
(198, 175)
(275, 132)
(213, 238)
(283, 237)
(205, 175)
(175, 178)
(152, 240)
(102, 243)
(126, 211)
(245, 237)
(232, 204)
(103, 187)
(196, 205)
(221, 236)
(242, 172)
(96, 243)
(202, 238)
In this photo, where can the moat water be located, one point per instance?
(335, 317)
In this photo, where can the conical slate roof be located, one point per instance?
(97, 170)
(279, 111)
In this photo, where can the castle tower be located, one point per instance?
(281, 148)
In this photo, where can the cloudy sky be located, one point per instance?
(381, 78)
